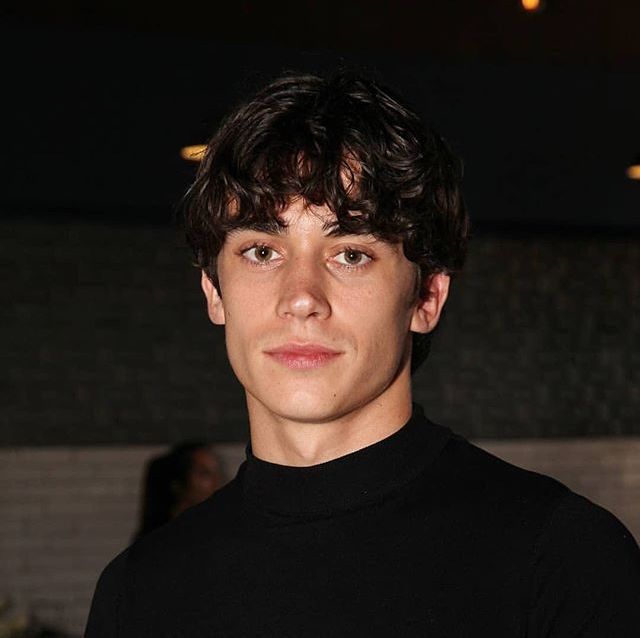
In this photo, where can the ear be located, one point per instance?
(426, 313)
(214, 301)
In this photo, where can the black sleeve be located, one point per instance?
(586, 575)
(104, 615)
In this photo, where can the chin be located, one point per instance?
(306, 405)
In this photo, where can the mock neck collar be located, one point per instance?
(347, 482)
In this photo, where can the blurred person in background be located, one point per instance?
(187, 475)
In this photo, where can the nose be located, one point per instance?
(303, 293)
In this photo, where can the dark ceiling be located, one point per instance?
(542, 107)
(591, 32)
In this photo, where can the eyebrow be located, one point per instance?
(271, 227)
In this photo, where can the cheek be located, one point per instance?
(378, 317)
(245, 319)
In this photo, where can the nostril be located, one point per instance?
(303, 302)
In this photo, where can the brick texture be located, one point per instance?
(65, 513)
(105, 339)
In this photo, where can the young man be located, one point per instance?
(327, 224)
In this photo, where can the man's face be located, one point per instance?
(317, 326)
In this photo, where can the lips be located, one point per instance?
(303, 356)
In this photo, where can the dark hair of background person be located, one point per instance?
(344, 142)
(167, 483)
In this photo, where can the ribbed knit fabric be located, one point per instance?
(420, 534)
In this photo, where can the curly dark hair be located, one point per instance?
(344, 142)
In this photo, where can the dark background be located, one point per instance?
(104, 335)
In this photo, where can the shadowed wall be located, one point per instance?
(106, 339)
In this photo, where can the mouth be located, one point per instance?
(303, 356)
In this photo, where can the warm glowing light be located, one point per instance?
(193, 153)
(633, 172)
(531, 5)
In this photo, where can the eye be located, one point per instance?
(260, 254)
(352, 258)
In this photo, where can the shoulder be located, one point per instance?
(197, 527)
(514, 496)
(581, 565)
(154, 559)
(577, 524)
(581, 537)
(486, 481)
(104, 614)
(585, 572)
(170, 544)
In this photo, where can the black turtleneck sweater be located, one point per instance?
(420, 534)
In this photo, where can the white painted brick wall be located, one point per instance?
(65, 512)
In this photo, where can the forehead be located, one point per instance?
(302, 217)
(299, 218)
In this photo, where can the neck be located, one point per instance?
(278, 439)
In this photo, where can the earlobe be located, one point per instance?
(215, 307)
(428, 309)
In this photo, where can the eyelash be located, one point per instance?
(346, 249)
(259, 264)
